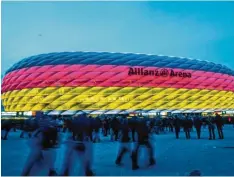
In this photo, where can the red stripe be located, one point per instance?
(109, 76)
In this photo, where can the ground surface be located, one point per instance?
(174, 157)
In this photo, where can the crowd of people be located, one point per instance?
(83, 131)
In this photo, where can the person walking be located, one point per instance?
(97, 126)
(187, 126)
(132, 125)
(198, 125)
(125, 145)
(6, 127)
(143, 140)
(92, 127)
(114, 124)
(14, 125)
(164, 121)
(219, 125)
(211, 127)
(80, 147)
(105, 126)
(157, 125)
(44, 139)
(59, 122)
(190, 124)
(177, 125)
(65, 125)
(171, 124)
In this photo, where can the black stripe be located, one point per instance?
(105, 58)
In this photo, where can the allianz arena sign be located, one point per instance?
(158, 72)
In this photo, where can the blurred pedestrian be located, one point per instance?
(132, 125)
(115, 124)
(187, 126)
(65, 125)
(198, 125)
(125, 145)
(177, 124)
(97, 126)
(91, 129)
(171, 124)
(42, 145)
(219, 125)
(79, 148)
(6, 127)
(211, 127)
(143, 133)
(105, 126)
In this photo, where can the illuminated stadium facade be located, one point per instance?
(116, 82)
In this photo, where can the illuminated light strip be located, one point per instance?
(115, 98)
(110, 76)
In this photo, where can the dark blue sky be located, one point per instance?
(202, 30)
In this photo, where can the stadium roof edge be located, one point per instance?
(127, 53)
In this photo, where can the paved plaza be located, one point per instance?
(174, 157)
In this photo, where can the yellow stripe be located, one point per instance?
(105, 98)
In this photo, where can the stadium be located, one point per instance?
(112, 83)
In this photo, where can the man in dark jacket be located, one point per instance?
(190, 124)
(198, 124)
(92, 127)
(65, 125)
(143, 140)
(171, 124)
(187, 126)
(204, 122)
(106, 126)
(97, 126)
(124, 141)
(115, 127)
(219, 125)
(133, 124)
(177, 124)
(211, 127)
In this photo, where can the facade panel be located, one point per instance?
(114, 81)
